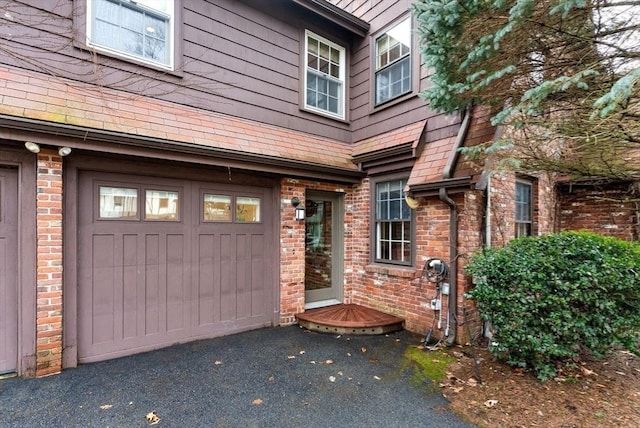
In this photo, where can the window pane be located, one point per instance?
(312, 61)
(396, 230)
(523, 201)
(247, 209)
(384, 230)
(325, 80)
(324, 51)
(161, 205)
(216, 207)
(393, 81)
(324, 66)
(118, 203)
(131, 29)
(393, 223)
(393, 61)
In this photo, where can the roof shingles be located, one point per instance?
(85, 105)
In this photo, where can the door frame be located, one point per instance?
(337, 254)
(25, 162)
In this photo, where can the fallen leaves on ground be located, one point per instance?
(152, 418)
(597, 393)
(106, 406)
(257, 402)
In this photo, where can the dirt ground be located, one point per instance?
(603, 393)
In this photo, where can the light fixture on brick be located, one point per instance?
(300, 214)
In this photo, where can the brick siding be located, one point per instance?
(49, 264)
(611, 210)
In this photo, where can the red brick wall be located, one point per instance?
(612, 210)
(49, 264)
(401, 290)
(502, 207)
(395, 290)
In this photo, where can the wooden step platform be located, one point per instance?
(349, 319)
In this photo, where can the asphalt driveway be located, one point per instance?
(273, 377)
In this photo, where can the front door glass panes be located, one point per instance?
(318, 244)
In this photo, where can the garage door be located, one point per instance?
(163, 261)
(8, 270)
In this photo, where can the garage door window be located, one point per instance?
(162, 205)
(118, 203)
(217, 207)
(247, 209)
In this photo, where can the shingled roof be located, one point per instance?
(95, 112)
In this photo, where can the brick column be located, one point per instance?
(292, 256)
(49, 264)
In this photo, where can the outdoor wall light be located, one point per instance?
(300, 214)
(412, 202)
(32, 147)
(64, 151)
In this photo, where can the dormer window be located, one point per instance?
(393, 62)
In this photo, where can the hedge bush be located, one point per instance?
(550, 297)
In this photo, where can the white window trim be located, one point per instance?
(414, 61)
(530, 203)
(171, 16)
(342, 78)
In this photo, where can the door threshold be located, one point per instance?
(322, 303)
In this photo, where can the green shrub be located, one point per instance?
(547, 297)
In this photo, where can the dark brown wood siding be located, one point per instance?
(240, 58)
(235, 60)
(366, 119)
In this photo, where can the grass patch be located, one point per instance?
(429, 366)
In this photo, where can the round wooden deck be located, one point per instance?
(349, 319)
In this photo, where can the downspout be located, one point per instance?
(452, 306)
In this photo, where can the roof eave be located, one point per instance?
(117, 140)
(336, 15)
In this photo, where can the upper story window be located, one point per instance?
(524, 205)
(393, 62)
(392, 223)
(141, 29)
(324, 76)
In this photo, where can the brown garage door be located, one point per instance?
(164, 261)
(8, 270)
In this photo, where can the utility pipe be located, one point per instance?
(452, 303)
